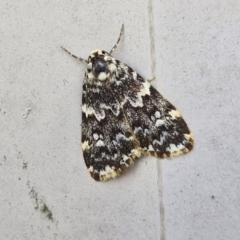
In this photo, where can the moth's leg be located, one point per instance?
(78, 58)
(119, 38)
(150, 79)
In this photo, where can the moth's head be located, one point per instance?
(100, 65)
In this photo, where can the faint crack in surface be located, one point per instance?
(159, 165)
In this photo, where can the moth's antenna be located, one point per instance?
(78, 58)
(119, 38)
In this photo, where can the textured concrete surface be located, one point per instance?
(191, 47)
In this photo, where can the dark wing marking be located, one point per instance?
(157, 124)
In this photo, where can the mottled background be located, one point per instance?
(192, 48)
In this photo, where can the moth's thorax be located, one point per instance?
(101, 65)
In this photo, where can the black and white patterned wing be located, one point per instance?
(156, 123)
(108, 143)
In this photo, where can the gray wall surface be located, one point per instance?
(192, 48)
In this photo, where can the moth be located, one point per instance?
(125, 117)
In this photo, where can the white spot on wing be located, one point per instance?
(137, 129)
(125, 157)
(163, 137)
(100, 143)
(188, 136)
(160, 122)
(150, 148)
(90, 75)
(175, 148)
(175, 114)
(109, 172)
(136, 152)
(157, 114)
(95, 136)
(115, 108)
(120, 136)
(85, 145)
(145, 90)
(90, 111)
(134, 74)
(153, 118)
(90, 169)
